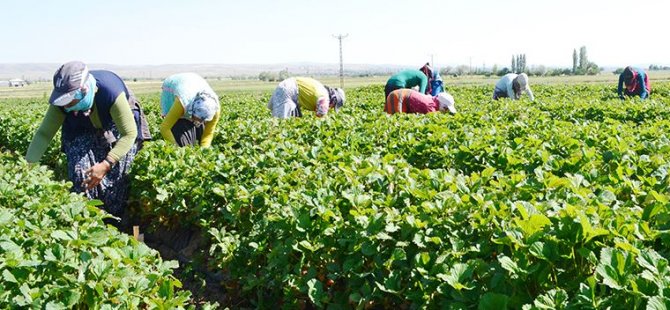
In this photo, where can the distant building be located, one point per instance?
(17, 83)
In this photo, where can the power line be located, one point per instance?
(340, 37)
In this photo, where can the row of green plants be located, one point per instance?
(507, 203)
(560, 203)
(57, 253)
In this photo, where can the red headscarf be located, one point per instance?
(631, 84)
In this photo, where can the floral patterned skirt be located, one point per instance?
(84, 150)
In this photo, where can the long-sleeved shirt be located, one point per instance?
(409, 79)
(120, 113)
(638, 85)
(410, 101)
(506, 84)
(175, 113)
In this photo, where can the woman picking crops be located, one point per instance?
(636, 82)
(295, 95)
(512, 85)
(412, 101)
(407, 79)
(190, 110)
(99, 132)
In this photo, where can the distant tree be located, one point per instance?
(283, 74)
(446, 70)
(618, 71)
(494, 69)
(575, 60)
(583, 59)
(462, 69)
(519, 63)
(538, 70)
(592, 68)
(658, 67)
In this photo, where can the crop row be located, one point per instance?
(56, 252)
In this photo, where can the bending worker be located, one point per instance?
(636, 82)
(512, 85)
(412, 101)
(406, 79)
(92, 109)
(295, 95)
(190, 109)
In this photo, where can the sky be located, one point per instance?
(473, 32)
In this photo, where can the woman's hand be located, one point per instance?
(96, 173)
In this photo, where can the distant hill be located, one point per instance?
(45, 71)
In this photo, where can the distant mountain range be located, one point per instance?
(45, 71)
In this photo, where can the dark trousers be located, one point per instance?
(186, 132)
(497, 94)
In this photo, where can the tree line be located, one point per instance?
(580, 66)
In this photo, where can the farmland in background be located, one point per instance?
(43, 89)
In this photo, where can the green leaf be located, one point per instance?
(25, 291)
(493, 301)
(488, 172)
(537, 249)
(649, 259)
(369, 249)
(5, 217)
(306, 245)
(509, 265)
(554, 299)
(8, 276)
(457, 274)
(658, 303)
(613, 268)
(534, 224)
(60, 235)
(315, 291)
(399, 254)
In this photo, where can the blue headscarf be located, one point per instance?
(85, 100)
(436, 84)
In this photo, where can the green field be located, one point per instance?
(561, 203)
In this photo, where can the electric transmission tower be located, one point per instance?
(340, 37)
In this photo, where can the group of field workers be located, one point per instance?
(422, 91)
(103, 125)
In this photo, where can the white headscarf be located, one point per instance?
(522, 79)
(446, 101)
(204, 106)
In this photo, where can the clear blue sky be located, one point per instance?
(127, 32)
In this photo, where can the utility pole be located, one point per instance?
(470, 65)
(340, 37)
